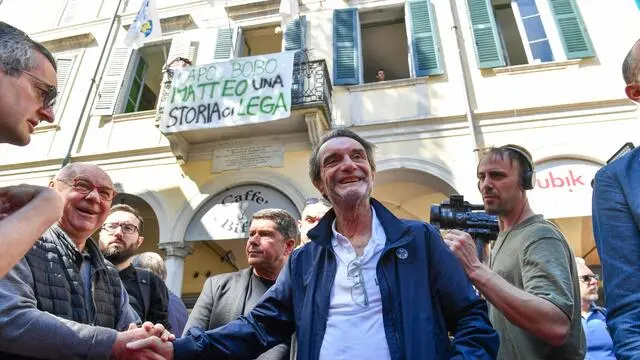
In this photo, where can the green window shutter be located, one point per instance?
(294, 37)
(485, 34)
(575, 39)
(224, 44)
(423, 39)
(112, 81)
(346, 54)
(294, 34)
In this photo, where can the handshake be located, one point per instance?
(145, 342)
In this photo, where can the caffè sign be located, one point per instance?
(227, 215)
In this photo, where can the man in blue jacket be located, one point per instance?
(616, 227)
(368, 286)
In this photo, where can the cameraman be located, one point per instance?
(531, 281)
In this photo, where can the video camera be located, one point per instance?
(456, 213)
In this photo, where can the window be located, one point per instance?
(516, 32)
(146, 78)
(384, 44)
(261, 41)
(402, 42)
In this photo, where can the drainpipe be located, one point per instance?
(476, 139)
(67, 157)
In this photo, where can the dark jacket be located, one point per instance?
(616, 226)
(425, 294)
(148, 295)
(221, 301)
(42, 300)
(178, 314)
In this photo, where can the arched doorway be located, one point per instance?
(409, 193)
(218, 230)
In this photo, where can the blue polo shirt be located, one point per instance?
(599, 343)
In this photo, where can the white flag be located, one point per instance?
(145, 27)
(288, 10)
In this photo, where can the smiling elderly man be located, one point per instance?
(367, 286)
(63, 300)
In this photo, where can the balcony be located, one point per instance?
(310, 112)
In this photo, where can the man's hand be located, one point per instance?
(151, 348)
(13, 198)
(464, 248)
(135, 333)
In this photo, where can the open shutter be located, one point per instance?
(573, 33)
(485, 34)
(294, 36)
(423, 39)
(64, 64)
(111, 83)
(206, 46)
(182, 46)
(346, 47)
(224, 43)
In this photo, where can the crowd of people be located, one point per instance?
(361, 284)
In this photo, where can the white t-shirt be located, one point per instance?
(355, 329)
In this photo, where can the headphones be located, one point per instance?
(528, 178)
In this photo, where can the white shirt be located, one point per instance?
(355, 329)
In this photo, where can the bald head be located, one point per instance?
(87, 192)
(631, 72)
(71, 171)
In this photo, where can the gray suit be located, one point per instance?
(221, 301)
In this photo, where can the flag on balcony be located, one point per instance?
(145, 27)
(289, 9)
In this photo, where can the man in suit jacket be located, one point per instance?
(225, 297)
(616, 226)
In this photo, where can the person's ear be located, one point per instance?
(140, 241)
(633, 92)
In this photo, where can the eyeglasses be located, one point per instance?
(315, 200)
(85, 187)
(358, 290)
(127, 228)
(587, 278)
(48, 92)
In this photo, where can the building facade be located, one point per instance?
(460, 75)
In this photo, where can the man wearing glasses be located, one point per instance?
(594, 317)
(63, 300)
(367, 286)
(120, 237)
(27, 70)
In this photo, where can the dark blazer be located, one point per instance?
(222, 301)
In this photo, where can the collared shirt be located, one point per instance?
(355, 328)
(599, 343)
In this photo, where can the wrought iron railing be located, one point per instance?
(311, 86)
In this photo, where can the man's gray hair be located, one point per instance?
(17, 51)
(285, 223)
(314, 160)
(630, 66)
(152, 262)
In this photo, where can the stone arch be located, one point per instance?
(156, 204)
(423, 183)
(422, 165)
(225, 181)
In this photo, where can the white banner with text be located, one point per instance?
(235, 92)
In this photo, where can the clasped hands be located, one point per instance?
(147, 342)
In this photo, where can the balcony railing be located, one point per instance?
(311, 88)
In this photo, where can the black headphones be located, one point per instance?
(528, 178)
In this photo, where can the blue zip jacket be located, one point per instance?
(425, 294)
